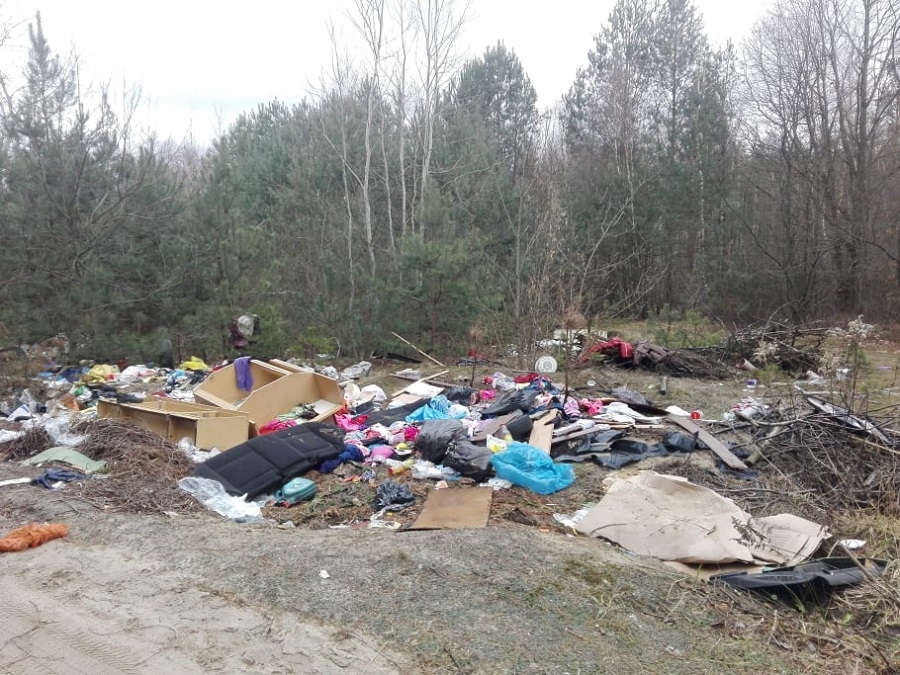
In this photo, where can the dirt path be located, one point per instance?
(90, 604)
(196, 593)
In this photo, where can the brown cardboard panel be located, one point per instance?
(220, 387)
(287, 391)
(670, 518)
(455, 508)
(206, 427)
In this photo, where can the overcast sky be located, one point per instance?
(200, 63)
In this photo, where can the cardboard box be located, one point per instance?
(207, 427)
(275, 392)
(220, 387)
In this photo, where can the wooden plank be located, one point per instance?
(574, 434)
(709, 440)
(492, 425)
(427, 380)
(542, 431)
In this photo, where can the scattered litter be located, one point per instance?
(497, 483)
(391, 496)
(570, 519)
(852, 544)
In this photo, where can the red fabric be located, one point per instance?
(276, 425)
(527, 378)
(614, 347)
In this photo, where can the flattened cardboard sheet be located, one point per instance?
(455, 508)
(671, 518)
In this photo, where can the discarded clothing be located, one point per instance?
(243, 373)
(305, 411)
(349, 422)
(51, 476)
(627, 451)
(679, 442)
(276, 425)
(351, 453)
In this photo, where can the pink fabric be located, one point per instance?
(592, 406)
(348, 423)
(487, 395)
(410, 433)
(381, 452)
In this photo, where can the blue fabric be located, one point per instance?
(51, 476)
(242, 371)
(530, 467)
(351, 453)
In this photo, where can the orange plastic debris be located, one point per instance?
(33, 534)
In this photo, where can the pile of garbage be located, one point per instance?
(256, 440)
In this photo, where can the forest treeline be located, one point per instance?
(423, 192)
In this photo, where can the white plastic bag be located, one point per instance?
(212, 495)
(57, 429)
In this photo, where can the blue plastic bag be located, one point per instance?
(530, 467)
(438, 408)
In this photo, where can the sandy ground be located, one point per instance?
(195, 593)
(91, 603)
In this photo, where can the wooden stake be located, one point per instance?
(430, 358)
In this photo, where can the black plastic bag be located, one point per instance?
(464, 395)
(517, 399)
(520, 428)
(436, 436)
(679, 442)
(393, 494)
(470, 460)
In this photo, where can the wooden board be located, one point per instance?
(431, 379)
(493, 425)
(542, 431)
(455, 508)
(709, 440)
